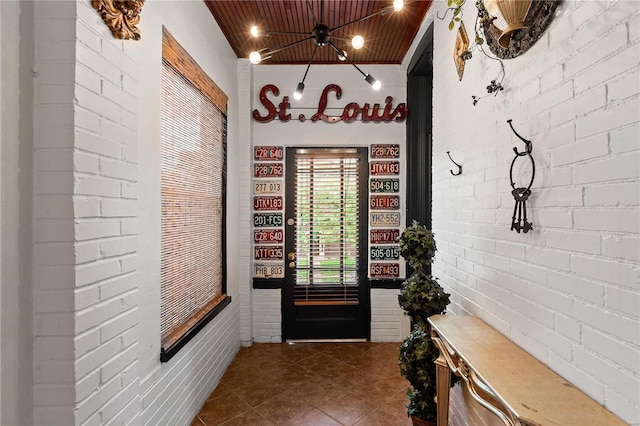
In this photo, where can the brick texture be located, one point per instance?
(568, 290)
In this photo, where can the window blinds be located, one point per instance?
(192, 188)
(327, 223)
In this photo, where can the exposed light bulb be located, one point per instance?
(255, 32)
(297, 95)
(255, 58)
(343, 55)
(375, 84)
(357, 42)
(398, 5)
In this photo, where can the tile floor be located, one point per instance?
(310, 384)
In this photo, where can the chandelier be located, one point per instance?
(322, 34)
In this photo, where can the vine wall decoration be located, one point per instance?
(121, 16)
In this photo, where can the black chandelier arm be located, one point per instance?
(286, 46)
(315, 49)
(287, 32)
(340, 54)
(382, 11)
(313, 15)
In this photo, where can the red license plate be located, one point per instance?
(268, 253)
(268, 170)
(385, 168)
(267, 203)
(384, 270)
(268, 153)
(385, 151)
(384, 202)
(263, 236)
(384, 236)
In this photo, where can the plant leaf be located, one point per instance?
(451, 24)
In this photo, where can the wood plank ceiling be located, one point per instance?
(387, 36)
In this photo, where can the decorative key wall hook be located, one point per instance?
(521, 195)
(459, 166)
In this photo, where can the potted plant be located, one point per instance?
(421, 297)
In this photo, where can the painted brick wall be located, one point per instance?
(388, 322)
(568, 291)
(54, 391)
(267, 316)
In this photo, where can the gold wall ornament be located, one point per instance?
(462, 44)
(121, 16)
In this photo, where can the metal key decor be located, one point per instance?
(519, 219)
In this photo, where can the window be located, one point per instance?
(192, 183)
(327, 215)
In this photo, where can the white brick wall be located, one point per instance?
(267, 316)
(568, 291)
(388, 322)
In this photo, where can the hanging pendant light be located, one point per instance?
(510, 16)
(321, 35)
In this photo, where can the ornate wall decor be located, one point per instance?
(122, 17)
(459, 51)
(539, 17)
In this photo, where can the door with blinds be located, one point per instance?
(326, 293)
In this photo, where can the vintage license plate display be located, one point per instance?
(384, 202)
(384, 185)
(268, 253)
(384, 167)
(268, 236)
(268, 271)
(268, 170)
(384, 270)
(268, 153)
(385, 253)
(267, 187)
(380, 219)
(262, 203)
(267, 220)
(384, 236)
(385, 151)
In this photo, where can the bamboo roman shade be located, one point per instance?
(327, 226)
(192, 151)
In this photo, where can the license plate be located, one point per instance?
(267, 187)
(385, 253)
(268, 271)
(267, 203)
(377, 219)
(268, 170)
(268, 253)
(268, 236)
(384, 185)
(384, 167)
(268, 153)
(267, 220)
(384, 270)
(384, 202)
(385, 151)
(384, 236)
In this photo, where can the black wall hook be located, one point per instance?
(459, 166)
(528, 144)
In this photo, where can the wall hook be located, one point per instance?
(526, 142)
(459, 166)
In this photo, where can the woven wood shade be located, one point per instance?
(192, 194)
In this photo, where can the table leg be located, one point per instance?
(443, 384)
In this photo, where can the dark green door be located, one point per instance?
(326, 293)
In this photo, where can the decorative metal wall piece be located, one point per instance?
(121, 16)
(539, 17)
(459, 166)
(519, 219)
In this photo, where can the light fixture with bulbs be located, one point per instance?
(321, 34)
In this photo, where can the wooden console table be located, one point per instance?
(505, 379)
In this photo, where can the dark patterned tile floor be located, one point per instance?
(310, 384)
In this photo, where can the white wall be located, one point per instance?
(568, 291)
(17, 27)
(97, 222)
(387, 323)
